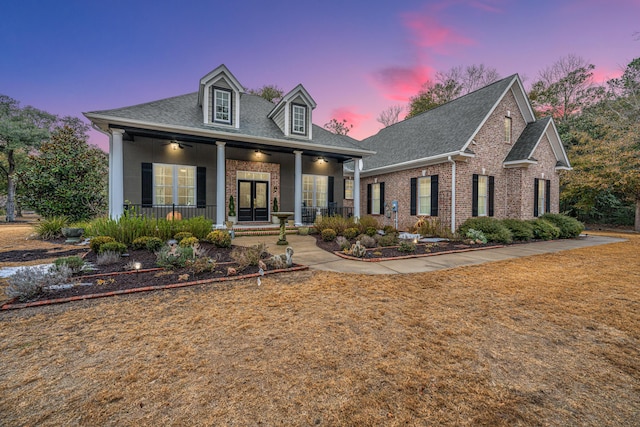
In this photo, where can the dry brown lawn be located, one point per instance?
(544, 340)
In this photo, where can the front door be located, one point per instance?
(253, 199)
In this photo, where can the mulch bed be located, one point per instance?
(115, 278)
(422, 249)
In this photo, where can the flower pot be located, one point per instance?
(233, 219)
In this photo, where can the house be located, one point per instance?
(483, 154)
(188, 154)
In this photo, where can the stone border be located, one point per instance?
(12, 305)
(352, 258)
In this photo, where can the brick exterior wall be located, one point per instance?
(513, 187)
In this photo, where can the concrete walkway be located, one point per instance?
(307, 253)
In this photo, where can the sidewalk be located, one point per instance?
(307, 253)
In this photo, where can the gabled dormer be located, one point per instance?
(293, 113)
(219, 98)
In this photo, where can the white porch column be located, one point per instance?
(116, 172)
(221, 188)
(297, 209)
(356, 188)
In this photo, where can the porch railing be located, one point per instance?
(309, 214)
(171, 211)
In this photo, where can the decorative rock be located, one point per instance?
(262, 266)
(231, 271)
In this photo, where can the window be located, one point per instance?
(541, 197)
(299, 119)
(482, 195)
(348, 189)
(174, 184)
(424, 196)
(507, 130)
(375, 198)
(222, 108)
(315, 189)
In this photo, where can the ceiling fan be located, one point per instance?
(175, 144)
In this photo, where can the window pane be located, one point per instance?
(348, 189)
(245, 195)
(322, 185)
(424, 196)
(375, 198)
(482, 195)
(541, 198)
(222, 105)
(299, 114)
(507, 129)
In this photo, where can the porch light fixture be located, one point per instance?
(174, 146)
(260, 153)
(321, 160)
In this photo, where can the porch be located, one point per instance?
(177, 212)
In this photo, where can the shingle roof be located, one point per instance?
(442, 130)
(524, 146)
(183, 111)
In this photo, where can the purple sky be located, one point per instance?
(356, 58)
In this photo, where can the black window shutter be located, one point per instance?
(147, 185)
(344, 188)
(330, 194)
(474, 196)
(381, 198)
(434, 195)
(201, 187)
(414, 196)
(491, 191)
(535, 197)
(369, 198)
(547, 196)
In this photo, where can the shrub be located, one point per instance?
(350, 233)
(220, 238)
(188, 241)
(371, 231)
(154, 244)
(407, 246)
(367, 241)
(569, 227)
(328, 234)
(98, 241)
(198, 226)
(201, 265)
(29, 282)
(520, 230)
(389, 229)
(245, 257)
(544, 230)
(492, 228)
(343, 242)
(147, 242)
(335, 222)
(476, 235)
(140, 242)
(51, 228)
(182, 235)
(108, 258)
(173, 257)
(431, 227)
(113, 247)
(366, 222)
(74, 263)
(387, 240)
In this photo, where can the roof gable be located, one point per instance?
(524, 148)
(221, 72)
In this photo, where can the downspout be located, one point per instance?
(453, 194)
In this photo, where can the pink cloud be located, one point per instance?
(350, 115)
(602, 75)
(401, 83)
(429, 33)
(487, 6)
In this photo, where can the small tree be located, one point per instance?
(338, 127)
(232, 206)
(66, 177)
(391, 115)
(21, 130)
(271, 93)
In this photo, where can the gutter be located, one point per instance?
(426, 161)
(453, 194)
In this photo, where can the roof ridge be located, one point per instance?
(145, 103)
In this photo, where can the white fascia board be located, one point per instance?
(519, 164)
(206, 81)
(554, 138)
(300, 90)
(564, 168)
(426, 161)
(304, 146)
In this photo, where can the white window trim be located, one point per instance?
(508, 133)
(375, 210)
(229, 94)
(296, 108)
(484, 196)
(427, 196)
(175, 185)
(352, 188)
(314, 199)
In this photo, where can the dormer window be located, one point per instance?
(222, 107)
(299, 120)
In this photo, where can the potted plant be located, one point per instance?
(232, 211)
(274, 210)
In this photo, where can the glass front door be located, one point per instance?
(253, 199)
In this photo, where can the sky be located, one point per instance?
(356, 58)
